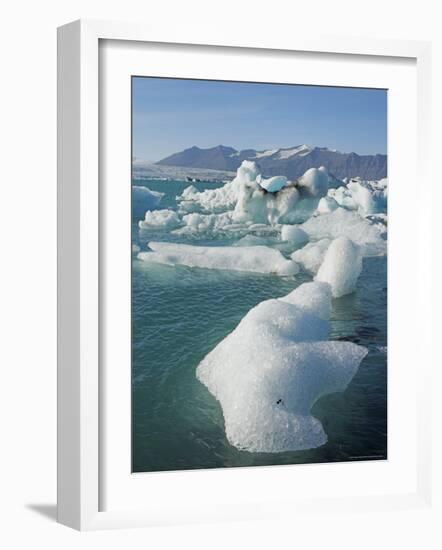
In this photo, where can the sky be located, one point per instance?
(169, 115)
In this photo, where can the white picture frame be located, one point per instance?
(80, 272)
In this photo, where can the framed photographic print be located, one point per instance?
(233, 266)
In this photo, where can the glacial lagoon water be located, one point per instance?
(179, 314)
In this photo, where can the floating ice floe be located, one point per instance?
(165, 219)
(314, 183)
(255, 199)
(209, 200)
(220, 199)
(341, 266)
(257, 259)
(369, 235)
(274, 366)
(205, 223)
(367, 197)
(144, 199)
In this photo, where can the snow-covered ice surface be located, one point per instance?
(256, 259)
(274, 366)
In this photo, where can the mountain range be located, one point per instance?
(291, 162)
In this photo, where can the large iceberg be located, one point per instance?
(209, 200)
(195, 223)
(222, 198)
(257, 205)
(252, 198)
(274, 366)
(257, 259)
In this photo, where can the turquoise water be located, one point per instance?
(179, 314)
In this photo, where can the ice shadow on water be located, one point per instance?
(49, 511)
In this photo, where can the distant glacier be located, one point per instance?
(290, 162)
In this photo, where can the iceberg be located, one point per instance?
(327, 204)
(144, 199)
(256, 205)
(314, 183)
(370, 235)
(247, 172)
(274, 366)
(311, 255)
(256, 259)
(341, 267)
(252, 198)
(188, 193)
(272, 185)
(343, 197)
(294, 235)
(205, 223)
(209, 200)
(367, 197)
(165, 219)
(223, 198)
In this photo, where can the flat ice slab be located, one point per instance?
(274, 366)
(258, 259)
(272, 185)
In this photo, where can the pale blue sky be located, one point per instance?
(170, 115)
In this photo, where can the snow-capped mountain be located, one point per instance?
(291, 162)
